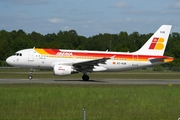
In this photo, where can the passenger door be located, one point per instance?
(31, 55)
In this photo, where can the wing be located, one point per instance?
(88, 65)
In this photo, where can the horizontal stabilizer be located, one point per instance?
(166, 59)
(154, 60)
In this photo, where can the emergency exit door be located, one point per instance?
(135, 60)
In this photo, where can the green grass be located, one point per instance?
(102, 102)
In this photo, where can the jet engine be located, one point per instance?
(63, 70)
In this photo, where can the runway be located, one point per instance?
(98, 81)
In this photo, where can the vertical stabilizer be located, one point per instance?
(157, 43)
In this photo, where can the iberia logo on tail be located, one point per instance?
(157, 44)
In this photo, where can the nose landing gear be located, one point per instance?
(30, 77)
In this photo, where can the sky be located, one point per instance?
(89, 17)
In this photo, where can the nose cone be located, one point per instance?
(9, 61)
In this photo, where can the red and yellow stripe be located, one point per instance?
(96, 55)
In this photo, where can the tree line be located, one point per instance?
(10, 42)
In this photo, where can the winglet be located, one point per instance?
(157, 43)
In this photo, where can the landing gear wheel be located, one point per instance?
(85, 77)
(30, 77)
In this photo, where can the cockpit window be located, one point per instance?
(18, 54)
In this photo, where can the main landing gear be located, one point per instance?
(30, 77)
(85, 77)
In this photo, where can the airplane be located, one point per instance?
(66, 62)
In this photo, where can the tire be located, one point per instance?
(85, 77)
(30, 77)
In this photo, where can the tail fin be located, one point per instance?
(157, 43)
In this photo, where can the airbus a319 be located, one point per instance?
(67, 62)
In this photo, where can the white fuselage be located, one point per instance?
(29, 58)
(66, 62)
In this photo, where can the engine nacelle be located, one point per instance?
(63, 70)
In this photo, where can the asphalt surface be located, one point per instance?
(98, 81)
